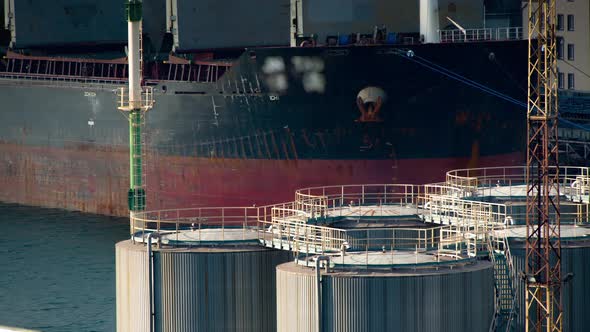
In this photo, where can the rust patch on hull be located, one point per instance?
(87, 180)
(96, 180)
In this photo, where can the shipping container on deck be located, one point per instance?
(213, 24)
(38, 23)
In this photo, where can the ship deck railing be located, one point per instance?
(484, 34)
(26, 79)
(57, 69)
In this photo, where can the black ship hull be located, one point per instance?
(278, 119)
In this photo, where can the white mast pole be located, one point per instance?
(133, 24)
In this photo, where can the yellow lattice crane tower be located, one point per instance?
(543, 244)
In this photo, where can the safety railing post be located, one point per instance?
(367, 254)
(223, 224)
(245, 224)
(132, 217)
(280, 236)
(306, 239)
(143, 228)
(289, 235)
(363, 194)
(158, 229)
(258, 223)
(177, 230)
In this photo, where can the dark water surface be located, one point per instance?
(57, 269)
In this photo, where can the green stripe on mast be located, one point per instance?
(133, 11)
(136, 192)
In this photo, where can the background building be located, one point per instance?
(573, 65)
(573, 45)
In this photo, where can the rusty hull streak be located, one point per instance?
(85, 178)
(95, 179)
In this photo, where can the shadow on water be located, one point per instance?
(57, 269)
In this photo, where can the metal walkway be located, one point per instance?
(464, 224)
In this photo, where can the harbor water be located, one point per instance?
(57, 269)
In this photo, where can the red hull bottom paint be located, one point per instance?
(96, 181)
(88, 180)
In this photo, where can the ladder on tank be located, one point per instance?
(504, 282)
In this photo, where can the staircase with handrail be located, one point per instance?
(504, 280)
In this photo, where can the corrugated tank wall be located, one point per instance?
(454, 300)
(216, 289)
(133, 310)
(576, 293)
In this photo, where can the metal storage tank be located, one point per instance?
(203, 288)
(133, 310)
(451, 296)
(575, 255)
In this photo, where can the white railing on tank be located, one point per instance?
(288, 231)
(402, 238)
(486, 34)
(337, 200)
(175, 221)
(281, 232)
(574, 187)
(581, 184)
(278, 226)
(454, 210)
(469, 222)
(295, 224)
(573, 180)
